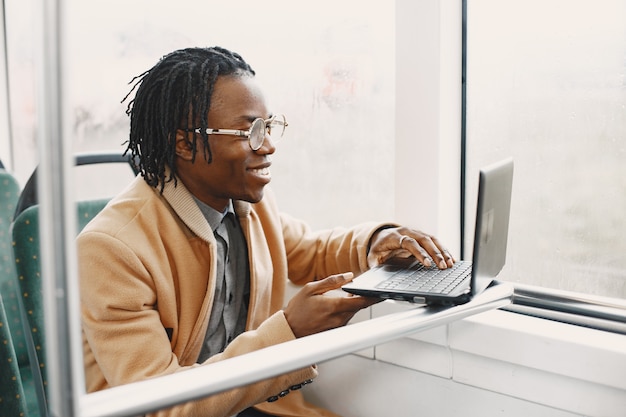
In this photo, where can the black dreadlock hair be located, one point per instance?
(175, 90)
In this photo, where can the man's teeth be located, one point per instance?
(262, 171)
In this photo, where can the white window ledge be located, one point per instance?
(563, 366)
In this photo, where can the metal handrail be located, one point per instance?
(596, 312)
(162, 392)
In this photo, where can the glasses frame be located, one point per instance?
(246, 133)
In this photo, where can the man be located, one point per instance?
(188, 265)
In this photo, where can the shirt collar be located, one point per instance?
(213, 216)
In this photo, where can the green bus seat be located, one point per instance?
(26, 243)
(12, 398)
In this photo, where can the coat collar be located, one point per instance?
(183, 203)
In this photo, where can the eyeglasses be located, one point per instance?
(274, 127)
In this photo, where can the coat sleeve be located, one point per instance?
(313, 255)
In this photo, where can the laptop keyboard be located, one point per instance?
(428, 279)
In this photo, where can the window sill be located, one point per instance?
(559, 365)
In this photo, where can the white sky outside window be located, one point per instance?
(546, 84)
(331, 74)
(328, 66)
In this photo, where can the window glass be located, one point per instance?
(20, 51)
(546, 84)
(327, 65)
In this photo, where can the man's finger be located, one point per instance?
(331, 283)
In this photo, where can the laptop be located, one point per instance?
(406, 279)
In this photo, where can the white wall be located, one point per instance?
(428, 117)
(495, 363)
(357, 387)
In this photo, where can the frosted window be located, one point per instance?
(327, 65)
(546, 84)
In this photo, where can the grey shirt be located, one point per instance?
(232, 285)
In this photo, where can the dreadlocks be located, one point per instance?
(176, 90)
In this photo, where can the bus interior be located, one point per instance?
(393, 108)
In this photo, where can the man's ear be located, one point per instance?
(184, 148)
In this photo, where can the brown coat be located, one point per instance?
(147, 273)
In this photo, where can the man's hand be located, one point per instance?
(312, 311)
(404, 242)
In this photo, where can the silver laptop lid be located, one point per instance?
(492, 223)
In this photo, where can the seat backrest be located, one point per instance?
(15, 322)
(12, 399)
(27, 260)
(9, 195)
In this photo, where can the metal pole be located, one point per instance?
(57, 219)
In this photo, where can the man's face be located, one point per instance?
(236, 171)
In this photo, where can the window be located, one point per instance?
(549, 89)
(330, 73)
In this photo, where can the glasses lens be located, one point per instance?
(276, 128)
(257, 134)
